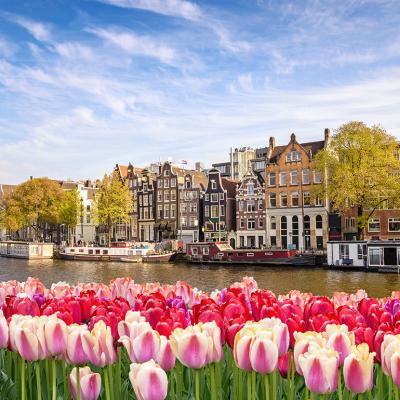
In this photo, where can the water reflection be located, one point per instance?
(208, 277)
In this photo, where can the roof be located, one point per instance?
(230, 186)
(68, 185)
(123, 170)
(315, 147)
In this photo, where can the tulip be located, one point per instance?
(358, 369)
(89, 384)
(55, 331)
(191, 346)
(4, 331)
(390, 345)
(280, 333)
(263, 354)
(75, 353)
(303, 342)
(395, 368)
(149, 381)
(320, 369)
(165, 356)
(241, 348)
(143, 343)
(340, 339)
(215, 351)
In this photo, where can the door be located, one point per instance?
(390, 256)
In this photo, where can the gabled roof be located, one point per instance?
(230, 186)
(315, 147)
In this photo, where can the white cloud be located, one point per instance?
(74, 51)
(174, 8)
(132, 43)
(38, 30)
(7, 48)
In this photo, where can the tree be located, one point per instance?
(113, 202)
(34, 204)
(361, 169)
(70, 209)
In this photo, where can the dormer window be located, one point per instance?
(188, 184)
(213, 184)
(166, 172)
(293, 156)
(250, 188)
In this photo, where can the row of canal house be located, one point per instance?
(274, 206)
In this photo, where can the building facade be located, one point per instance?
(219, 213)
(296, 217)
(250, 211)
(146, 199)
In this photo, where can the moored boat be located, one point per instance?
(158, 257)
(223, 253)
(130, 260)
(29, 250)
(102, 253)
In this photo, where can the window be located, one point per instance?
(222, 210)
(273, 241)
(352, 222)
(261, 223)
(250, 188)
(260, 165)
(272, 179)
(374, 225)
(251, 207)
(306, 176)
(295, 199)
(166, 172)
(159, 183)
(346, 222)
(394, 224)
(343, 251)
(251, 224)
(272, 199)
(241, 224)
(193, 220)
(293, 178)
(214, 197)
(375, 255)
(273, 223)
(207, 197)
(317, 177)
(282, 179)
(159, 197)
(183, 208)
(166, 183)
(283, 199)
(318, 222)
(306, 198)
(241, 205)
(221, 196)
(88, 208)
(173, 182)
(207, 211)
(166, 196)
(173, 195)
(318, 201)
(193, 207)
(214, 211)
(213, 184)
(159, 212)
(361, 251)
(166, 211)
(145, 200)
(88, 219)
(188, 184)
(293, 156)
(260, 205)
(173, 210)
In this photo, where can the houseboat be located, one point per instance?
(372, 255)
(29, 250)
(102, 253)
(223, 253)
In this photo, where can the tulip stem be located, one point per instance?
(179, 380)
(390, 387)
(249, 386)
(274, 385)
(380, 386)
(212, 378)
(396, 392)
(266, 386)
(64, 371)
(54, 377)
(253, 384)
(47, 373)
(197, 384)
(23, 386)
(107, 384)
(78, 384)
(118, 372)
(340, 392)
(360, 396)
(111, 382)
(38, 382)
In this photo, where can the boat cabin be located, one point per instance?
(380, 255)
(28, 250)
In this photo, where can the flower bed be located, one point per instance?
(152, 341)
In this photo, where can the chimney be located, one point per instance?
(292, 137)
(327, 136)
(272, 142)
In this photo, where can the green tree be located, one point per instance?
(70, 209)
(361, 169)
(113, 202)
(34, 204)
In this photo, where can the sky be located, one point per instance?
(91, 83)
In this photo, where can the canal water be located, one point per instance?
(207, 277)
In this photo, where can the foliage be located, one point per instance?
(113, 202)
(70, 208)
(33, 203)
(361, 166)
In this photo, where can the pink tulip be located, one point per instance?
(149, 381)
(143, 343)
(76, 353)
(395, 368)
(55, 331)
(280, 333)
(340, 339)
(303, 342)
(130, 317)
(90, 384)
(165, 356)
(99, 345)
(215, 353)
(191, 346)
(263, 355)
(320, 369)
(241, 349)
(3, 331)
(358, 369)
(389, 346)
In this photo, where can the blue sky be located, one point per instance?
(87, 84)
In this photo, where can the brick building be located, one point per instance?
(220, 208)
(250, 211)
(295, 217)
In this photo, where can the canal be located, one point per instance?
(207, 277)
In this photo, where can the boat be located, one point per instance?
(158, 257)
(102, 253)
(130, 260)
(369, 255)
(29, 250)
(223, 253)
